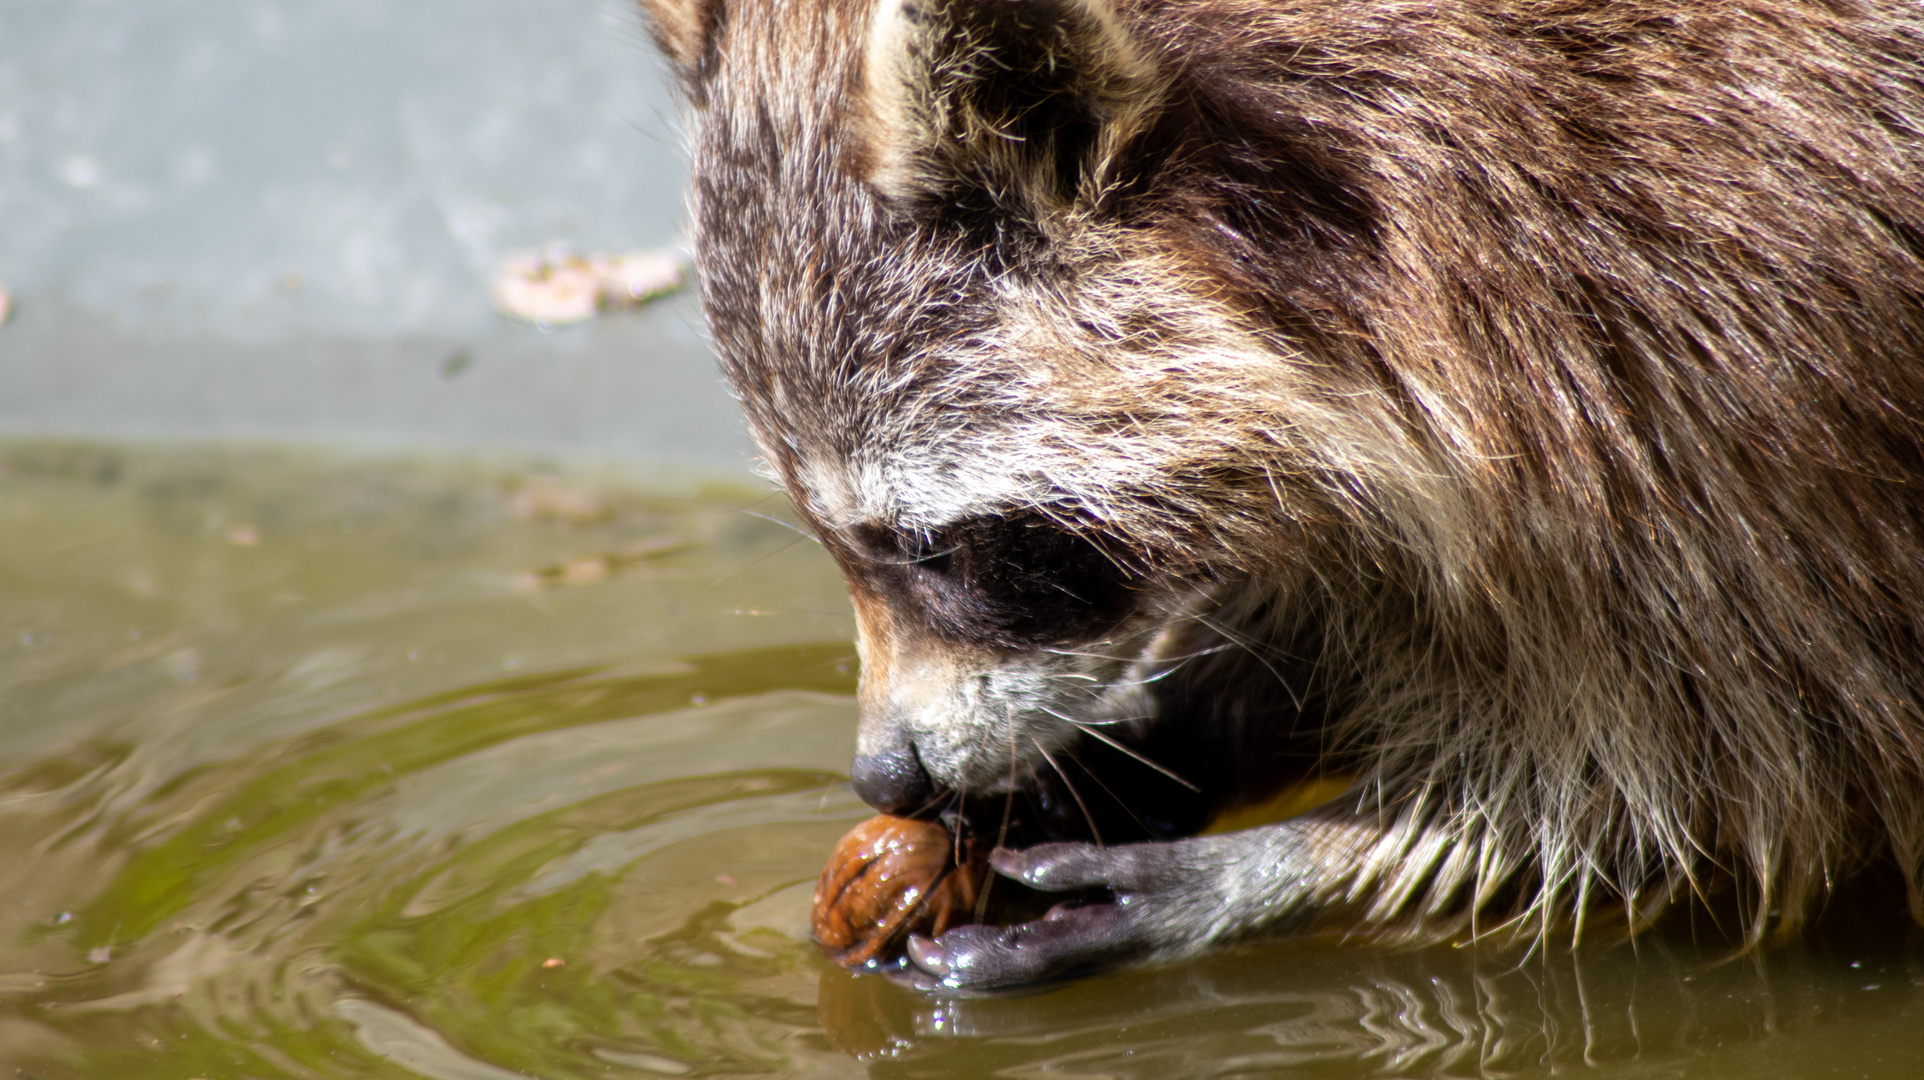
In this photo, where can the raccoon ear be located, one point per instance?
(682, 30)
(1027, 102)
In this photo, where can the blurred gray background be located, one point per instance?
(277, 219)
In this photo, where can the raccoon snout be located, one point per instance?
(893, 781)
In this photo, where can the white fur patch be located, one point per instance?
(889, 77)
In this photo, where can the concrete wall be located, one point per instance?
(277, 219)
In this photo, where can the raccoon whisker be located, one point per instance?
(1001, 834)
(1088, 655)
(955, 834)
(1209, 621)
(1107, 790)
(1083, 679)
(1118, 684)
(1159, 676)
(789, 525)
(1070, 784)
(1099, 735)
(1114, 720)
(920, 558)
(1081, 654)
(764, 557)
(1095, 733)
(1173, 664)
(1066, 591)
(1250, 647)
(933, 802)
(1008, 802)
(1184, 658)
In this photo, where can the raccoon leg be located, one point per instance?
(1167, 900)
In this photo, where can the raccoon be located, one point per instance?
(1513, 407)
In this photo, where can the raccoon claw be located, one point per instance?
(1072, 937)
(924, 953)
(1065, 942)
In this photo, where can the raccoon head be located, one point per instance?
(947, 255)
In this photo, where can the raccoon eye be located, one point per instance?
(891, 547)
(925, 555)
(1016, 580)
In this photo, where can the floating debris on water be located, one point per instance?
(555, 287)
(588, 569)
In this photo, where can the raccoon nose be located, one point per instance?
(893, 781)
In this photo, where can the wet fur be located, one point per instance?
(1515, 405)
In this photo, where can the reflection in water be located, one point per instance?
(1441, 1012)
(323, 770)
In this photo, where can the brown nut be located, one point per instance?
(888, 878)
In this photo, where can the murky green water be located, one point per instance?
(317, 768)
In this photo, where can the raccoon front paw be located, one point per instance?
(1146, 883)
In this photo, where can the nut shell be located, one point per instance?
(890, 877)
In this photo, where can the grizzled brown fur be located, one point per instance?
(1514, 404)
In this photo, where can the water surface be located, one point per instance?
(319, 767)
